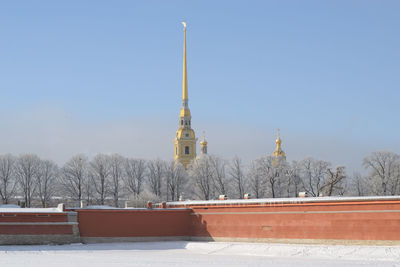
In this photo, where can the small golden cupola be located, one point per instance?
(279, 154)
(203, 145)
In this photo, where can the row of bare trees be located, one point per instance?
(27, 177)
(105, 179)
(113, 179)
(270, 177)
(265, 177)
(383, 175)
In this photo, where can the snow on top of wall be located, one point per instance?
(100, 207)
(282, 200)
(29, 210)
(9, 206)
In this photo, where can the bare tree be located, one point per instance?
(27, 171)
(358, 184)
(270, 175)
(384, 173)
(201, 175)
(99, 173)
(116, 172)
(74, 177)
(8, 180)
(175, 175)
(47, 181)
(313, 174)
(156, 175)
(279, 179)
(237, 175)
(255, 180)
(294, 181)
(135, 173)
(220, 181)
(334, 181)
(89, 189)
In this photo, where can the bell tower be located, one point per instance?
(185, 140)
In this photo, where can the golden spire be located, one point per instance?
(185, 141)
(184, 82)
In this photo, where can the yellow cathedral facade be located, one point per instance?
(185, 139)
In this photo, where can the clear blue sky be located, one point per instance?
(105, 76)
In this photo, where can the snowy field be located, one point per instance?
(181, 253)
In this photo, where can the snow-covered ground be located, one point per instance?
(181, 253)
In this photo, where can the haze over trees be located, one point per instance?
(114, 179)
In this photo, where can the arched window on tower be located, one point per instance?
(181, 122)
(187, 150)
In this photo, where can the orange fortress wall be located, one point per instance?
(314, 220)
(372, 221)
(317, 220)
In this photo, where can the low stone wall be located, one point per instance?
(25, 227)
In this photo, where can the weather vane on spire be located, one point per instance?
(184, 24)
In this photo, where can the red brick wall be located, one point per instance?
(345, 220)
(364, 220)
(33, 217)
(36, 230)
(133, 223)
(34, 224)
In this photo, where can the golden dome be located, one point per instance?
(278, 141)
(203, 142)
(278, 151)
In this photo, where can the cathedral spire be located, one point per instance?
(185, 96)
(185, 140)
